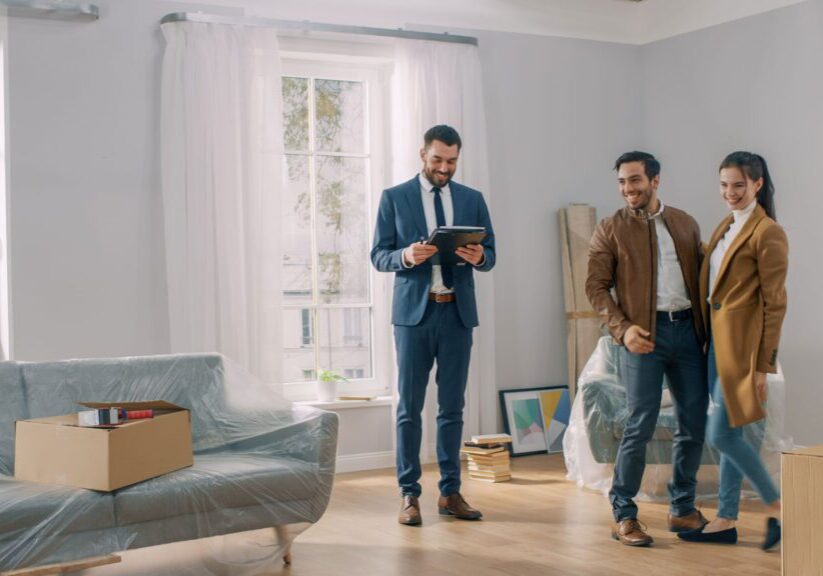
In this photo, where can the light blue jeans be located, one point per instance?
(738, 456)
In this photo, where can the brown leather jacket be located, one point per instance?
(623, 255)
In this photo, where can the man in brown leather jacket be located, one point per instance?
(650, 254)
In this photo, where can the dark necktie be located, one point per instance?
(440, 215)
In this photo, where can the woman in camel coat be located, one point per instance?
(742, 285)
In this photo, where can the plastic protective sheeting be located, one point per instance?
(599, 414)
(259, 463)
(255, 553)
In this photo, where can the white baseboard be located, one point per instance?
(370, 461)
(365, 461)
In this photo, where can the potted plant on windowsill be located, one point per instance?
(327, 385)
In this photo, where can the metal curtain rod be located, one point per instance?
(316, 26)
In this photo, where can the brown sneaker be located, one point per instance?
(631, 533)
(410, 511)
(454, 505)
(694, 520)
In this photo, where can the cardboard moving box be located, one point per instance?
(802, 505)
(55, 450)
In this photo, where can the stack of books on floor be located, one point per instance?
(488, 457)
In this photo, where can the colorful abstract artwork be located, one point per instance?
(528, 422)
(555, 408)
(536, 418)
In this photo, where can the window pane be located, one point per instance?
(296, 114)
(296, 233)
(342, 230)
(325, 229)
(298, 345)
(306, 327)
(344, 338)
(339, 116)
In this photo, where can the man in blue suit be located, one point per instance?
(433, 313)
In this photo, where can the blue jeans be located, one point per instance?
(440, 336)
(678, 355)
(738, 455)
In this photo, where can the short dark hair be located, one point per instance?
(445, 134)
(650, 163)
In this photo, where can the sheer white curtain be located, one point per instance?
(221, 153)
(440, 83)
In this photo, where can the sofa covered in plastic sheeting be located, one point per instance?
(259, 462)
(599, 415)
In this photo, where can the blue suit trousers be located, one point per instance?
(442, 337)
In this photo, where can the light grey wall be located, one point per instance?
(755, 84)
(86, 226)
(365, 430)
(559, 112)
(88, 273)
(88, 276)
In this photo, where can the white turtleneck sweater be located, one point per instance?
(719, 253)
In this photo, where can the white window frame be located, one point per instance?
(374, 72)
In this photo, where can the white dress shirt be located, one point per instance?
(719, 252)
(672, 294)
(427, 196)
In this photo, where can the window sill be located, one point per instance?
(343, 404)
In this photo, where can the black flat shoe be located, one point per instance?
(721, 537)
(772, 534)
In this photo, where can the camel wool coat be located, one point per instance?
(746, 309)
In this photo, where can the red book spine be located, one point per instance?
(138, 414)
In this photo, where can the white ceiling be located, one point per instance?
(622, 21)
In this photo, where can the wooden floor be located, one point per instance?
(538, 523)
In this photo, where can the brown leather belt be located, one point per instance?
(675, 315)
(441, 298)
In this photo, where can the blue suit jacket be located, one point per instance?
(401, 221)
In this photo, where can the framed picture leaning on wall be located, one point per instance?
(536, 418)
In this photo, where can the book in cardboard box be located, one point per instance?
(56, 450)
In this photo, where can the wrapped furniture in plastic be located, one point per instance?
(599, 414)
(259, 462)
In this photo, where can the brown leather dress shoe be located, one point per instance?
(410, 511)
(454, 505)
(694, 520)
(630, 533)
